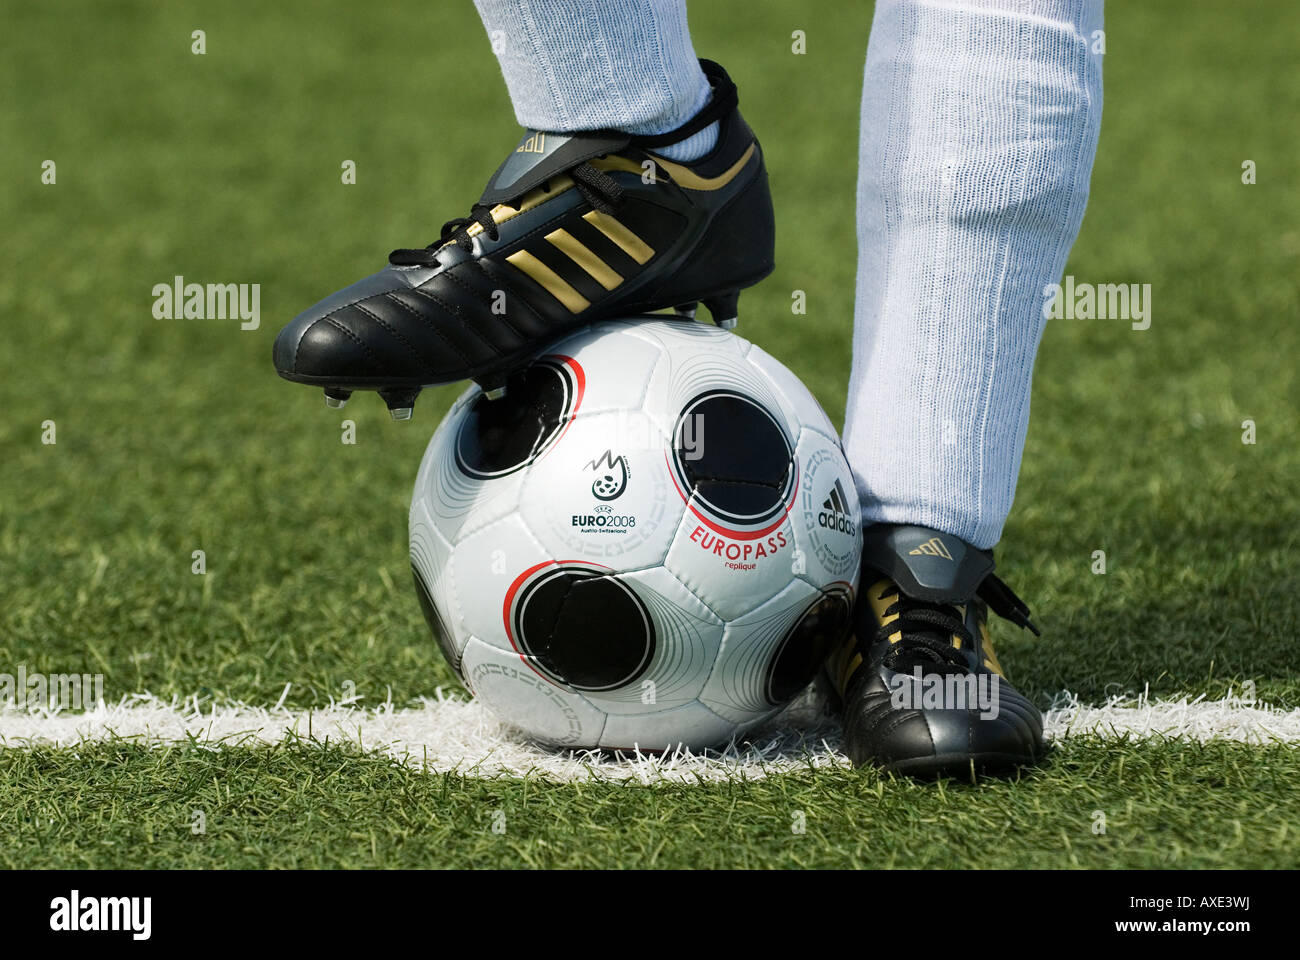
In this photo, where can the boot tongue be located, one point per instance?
(541, 156)
(926, 564)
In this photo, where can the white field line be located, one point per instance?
(453, 734)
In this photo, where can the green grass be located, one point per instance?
(1166, 805)
(175, 436)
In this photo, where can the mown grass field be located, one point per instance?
(175, 436)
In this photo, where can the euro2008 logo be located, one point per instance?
(611, 476)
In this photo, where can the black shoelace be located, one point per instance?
(597, 188)
(928, 627)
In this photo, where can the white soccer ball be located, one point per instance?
(652, 540)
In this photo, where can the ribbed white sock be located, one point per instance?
(601, 64)
(979, 125)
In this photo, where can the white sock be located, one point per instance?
(979, 127)
(601, 64)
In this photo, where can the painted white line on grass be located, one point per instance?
(454, 734)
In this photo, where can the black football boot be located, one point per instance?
(572, 229)
(922, 691)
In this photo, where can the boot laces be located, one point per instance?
(927, 627)
(599, 189)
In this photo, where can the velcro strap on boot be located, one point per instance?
(541, 156)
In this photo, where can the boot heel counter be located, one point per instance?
(739, 248)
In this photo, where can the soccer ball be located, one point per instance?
(650, 541)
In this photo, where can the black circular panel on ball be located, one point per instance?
(500, 436)
(586, 630)
(437, 625)
(733, 455)
(823, 626)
